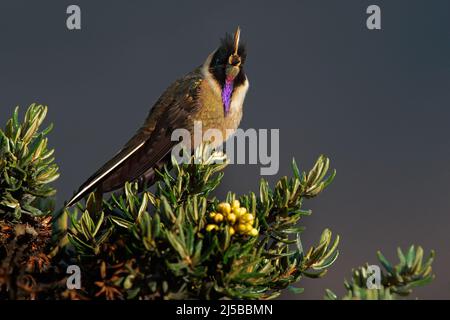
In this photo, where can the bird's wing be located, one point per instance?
(152, 142)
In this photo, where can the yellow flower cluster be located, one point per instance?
(236, 217)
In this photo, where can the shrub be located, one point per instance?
(175, 240)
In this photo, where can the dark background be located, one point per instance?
(376, 102)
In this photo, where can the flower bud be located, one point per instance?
(231, 218)
(224, 207)
(248, 218)
(242, 228)
(211, 227)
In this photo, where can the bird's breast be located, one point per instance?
(211, 112)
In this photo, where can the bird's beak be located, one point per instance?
(234, 61)
(237, 36)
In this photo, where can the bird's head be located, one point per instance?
(226, 65)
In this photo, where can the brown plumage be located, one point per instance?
(195, 97)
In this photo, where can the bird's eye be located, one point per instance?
(220, 60)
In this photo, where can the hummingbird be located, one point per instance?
(213, 94)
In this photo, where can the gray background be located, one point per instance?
(376, 102)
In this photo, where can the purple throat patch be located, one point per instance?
(226, 95)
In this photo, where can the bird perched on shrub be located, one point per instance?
(213, 93)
